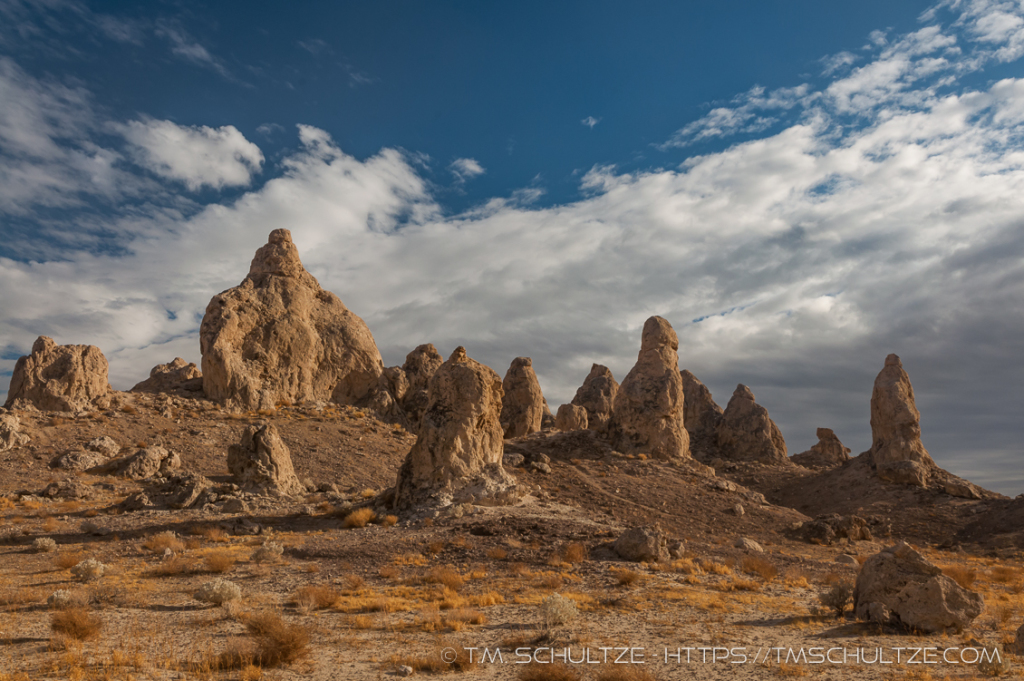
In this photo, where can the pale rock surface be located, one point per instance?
(900, 586)
(896, 449)
(701, 415)
(597, 396)
(10, 433)
(170, 377)
(261, 463)
(105, 445)
(457, 457)
(78, 460)
(279, 337)
(748, 545)
(828, 452)
(522, 405)
(571, 417)
(648, 412)
(645, 544)
(60, 378)
(747, 433)
(147, 462)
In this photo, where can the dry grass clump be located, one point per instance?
(445, 576)
(575, 553)
(219, 562)
(837, 597)
(209, 533)
(626, 577)
(316, 597)
(389, 520)
(760, 566)
(68, 559)
(277, 642)
(270, 552)
(497, 553)
(178, 565)
(1003, 574)
(359, 518)
(162, 541)
(558, 611)
(715, 568)
(963, 576)
(796, 577)
(432, 662)
(549, 672)
(76, 623)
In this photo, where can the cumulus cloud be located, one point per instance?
(793, 262)
(466, 169)
(590, 122)
(196, 155)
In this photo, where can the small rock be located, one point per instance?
(513, 460)
(405, 670)
(738, 509)
(846, 559)
(540, 467)
(748, 545)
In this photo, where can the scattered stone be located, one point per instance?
(827, 529)
(261, 463)
(458, 451)
(10, 433)
(648, 413)
(828, 452)
(60, 378)
(738, 510)
(896, 449)
(571, 417)
(541, 467)
(218, 592)
(597, 396)
(145, 463)
(748, 545)
(701, 415)
(961, 488)
(513, 460)
(747, 433)
(78, 460)
(279, 337)
(234, 505)
(171, 377)
(899, 586)
(404, 670)
(645, 544)
(44, 545)
(185, 490)
(522, 405)
(68, 489)
(105, 446)
(135, 502)
(676, 548)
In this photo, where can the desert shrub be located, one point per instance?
(389, 520)
(88, 570)
(556, 610)
(760, 566)
(270, 552)
(218, 592)
(359, 518)
(497, 553)
(316, 597)
(44, 545)
(75, 622)
(445, 576)
(162, 541)
(963, 576)
(575, 553)
(63, 599)
(627, 577)
(837, 597)
(219, 561)
(277, 642)
(68, 560)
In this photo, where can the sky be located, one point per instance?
(800, 188)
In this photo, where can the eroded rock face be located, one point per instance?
(896, 449)
(646, 544)
(597, 396)
(701, 415)
(168, 378)
(827, 529)
(457, 457)
(747, 433)
(419, 367)
(146, 463)
(261, 463)
(10, 433)
(648, 413)
(522, 406)
(60, 378)
(899, 586)
(828, 452)
(571, 417)
(280, 337)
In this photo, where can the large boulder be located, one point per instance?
(457, 457)
(646, 544)
(896, 449)
(571, 417)
(701, 415)
(522, 405)
(146, 463)
(900, 586)
(171, 377)
(60, 378)
(279, 337)
(10, 433)
(747, 433)
(828, 452)
(597, 396)
(648, 413)
(261, 464)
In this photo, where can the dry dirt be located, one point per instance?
(401, 590)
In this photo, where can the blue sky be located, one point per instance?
(800, 188)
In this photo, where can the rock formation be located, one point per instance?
(597, 396)
(899, 586)
(167, 378)
(646, 544)
(280, 337)
(261, 464)
(60, 378)
(896, 450)
(457, 457)
(10, 433)
(522, 405)
(571, 417)
(747, 433)
(829, 528)
(648, 412)
(701, 415)
(827, 453)
(146, 463)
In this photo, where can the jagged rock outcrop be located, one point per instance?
(597, 396)
(261, 464)
(701, 415)
(896, 449)
(145, 463)
(279, 337)
(522, 405)
(171, 377)
(10, 433)
(828, 452)
(645, 544)
(747, 433)
(827, 529)
(899, 586)
(60, 378)
(571, 417)
(457, 457)
(648, 412)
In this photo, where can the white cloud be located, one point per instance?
(189, 49)
(590, 122)
(466, 169)
(196, 155)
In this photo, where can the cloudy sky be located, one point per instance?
(799, 191)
